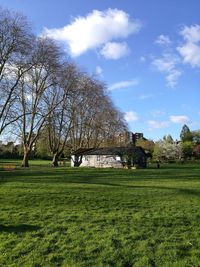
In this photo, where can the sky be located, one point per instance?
(146, 52)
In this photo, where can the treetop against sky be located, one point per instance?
(147, 52)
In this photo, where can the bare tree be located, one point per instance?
(83, 112)
(59, 121)
(112, 124)
(95, 119)
(15, 45)
(36, 91)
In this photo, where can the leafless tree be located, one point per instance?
(36, 90)
(95, 119)
(59, 121)
(83, 112)
(15, 46)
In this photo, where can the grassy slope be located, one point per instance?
(88, 217)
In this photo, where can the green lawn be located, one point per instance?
(17, 163)
(100, 217)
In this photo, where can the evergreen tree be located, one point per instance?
(168, 138)
(185, 134)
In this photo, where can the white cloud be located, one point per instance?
(163, 40)
(99, 70)
(182, 119)
(122, 84)
(190, 50)
(167, 64)
(113, 50)
(94, 30)
(172, 77)
(179, 119)
(131, 116)
(158, 124)
(190, 53)
(191, 34)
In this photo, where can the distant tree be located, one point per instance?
(165, 151)
(42, 145)
(147, 145)
(196, 151)
(187, 149)
(185, 134)
(196, 136)
(158, 152)
(10, 150)
(168, 138)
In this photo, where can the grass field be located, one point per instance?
(17, 163)
(100, 217)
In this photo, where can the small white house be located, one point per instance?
(116, 157)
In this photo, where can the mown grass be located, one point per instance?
(6, 163)
(100, 217)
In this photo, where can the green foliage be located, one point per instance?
(100, 217)
(42, 146)
(168, 138)
(147, 145)
(187, 149)
(10, 151)
(186, 134)
(196, 151)
(157, 153)
(196, 137)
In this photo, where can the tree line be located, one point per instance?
(169, 150)
(45, 96)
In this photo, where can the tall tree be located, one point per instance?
(147, 145)
(15, 46)
(168, 138)
(95, 119)
(36, 89)
(59, 121)
(185, 134)
(187, 148)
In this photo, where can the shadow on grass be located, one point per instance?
(22, 228)
(104, 177)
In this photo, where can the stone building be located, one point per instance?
(115, 157)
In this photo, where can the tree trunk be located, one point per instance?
(25, 158)
(55, 160)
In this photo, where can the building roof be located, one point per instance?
(109, 151)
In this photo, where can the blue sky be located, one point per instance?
(146, 52)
